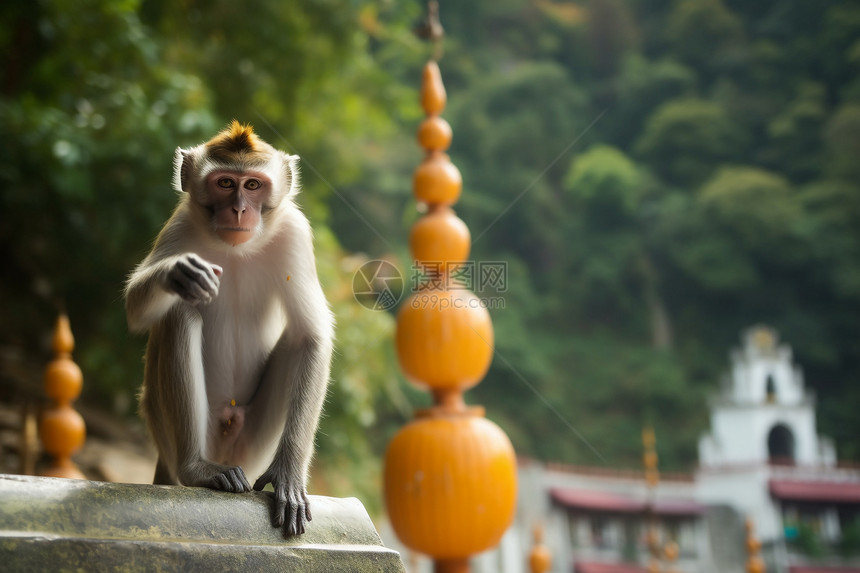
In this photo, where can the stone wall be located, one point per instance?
(51, 524)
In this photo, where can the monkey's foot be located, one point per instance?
(217, 476)
(292, 510)
(231, 479)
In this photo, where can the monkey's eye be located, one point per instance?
(225, 183)
(253, 184)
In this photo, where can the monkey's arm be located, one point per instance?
(294, 386)
(161, 281)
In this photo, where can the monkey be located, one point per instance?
(240, 333)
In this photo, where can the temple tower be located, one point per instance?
(763, 414)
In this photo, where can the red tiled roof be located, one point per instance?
(615, 503)
(820, 491)
(595, 567)
(821, 569)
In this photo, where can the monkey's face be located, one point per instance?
(236, 201)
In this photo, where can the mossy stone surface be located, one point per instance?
(49, 524)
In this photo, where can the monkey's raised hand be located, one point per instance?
(292, 510)
(193, 279)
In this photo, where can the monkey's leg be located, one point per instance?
(176, 406)
(162, 474)
(289, 400)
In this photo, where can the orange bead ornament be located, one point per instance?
(450, 485)
(63, 379)
(649, 458)
(437, 180)
(440, 237)
(63, 431)
(444, 339)
(61, 428)
(670, 551)
(753, 545)
(434, 134)
(450, 476)
(755, 564)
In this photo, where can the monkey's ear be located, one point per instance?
(291, 171)
(182, 164)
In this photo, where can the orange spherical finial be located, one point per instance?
(437, 180)
(670, 551)
(63, 432)
(444, 339)
(755, 564)
(753, 545)
(434, 134)
(649, 458)
(440, 238)
(450, 485)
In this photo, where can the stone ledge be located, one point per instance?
(49, 524)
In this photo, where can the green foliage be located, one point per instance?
(842, 135)
(757, 205)
(849, 543)
(605, 176)
(684, 139)
(656, 175)
(702, 31)
(809, 541)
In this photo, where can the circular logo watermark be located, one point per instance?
(377, 285)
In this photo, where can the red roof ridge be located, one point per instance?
(839, 491)
(610, 502)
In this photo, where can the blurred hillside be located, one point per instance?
(656, 175)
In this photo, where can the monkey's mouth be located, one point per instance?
(234, 235)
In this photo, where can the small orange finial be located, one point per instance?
(63, 342)
(670, 552)
(649, 457)
(62, 429)
(540, 559)
(755, 564)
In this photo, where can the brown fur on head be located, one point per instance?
(238, 143)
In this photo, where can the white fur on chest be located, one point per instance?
(240, 328)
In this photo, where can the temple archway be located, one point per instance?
(780, 445)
